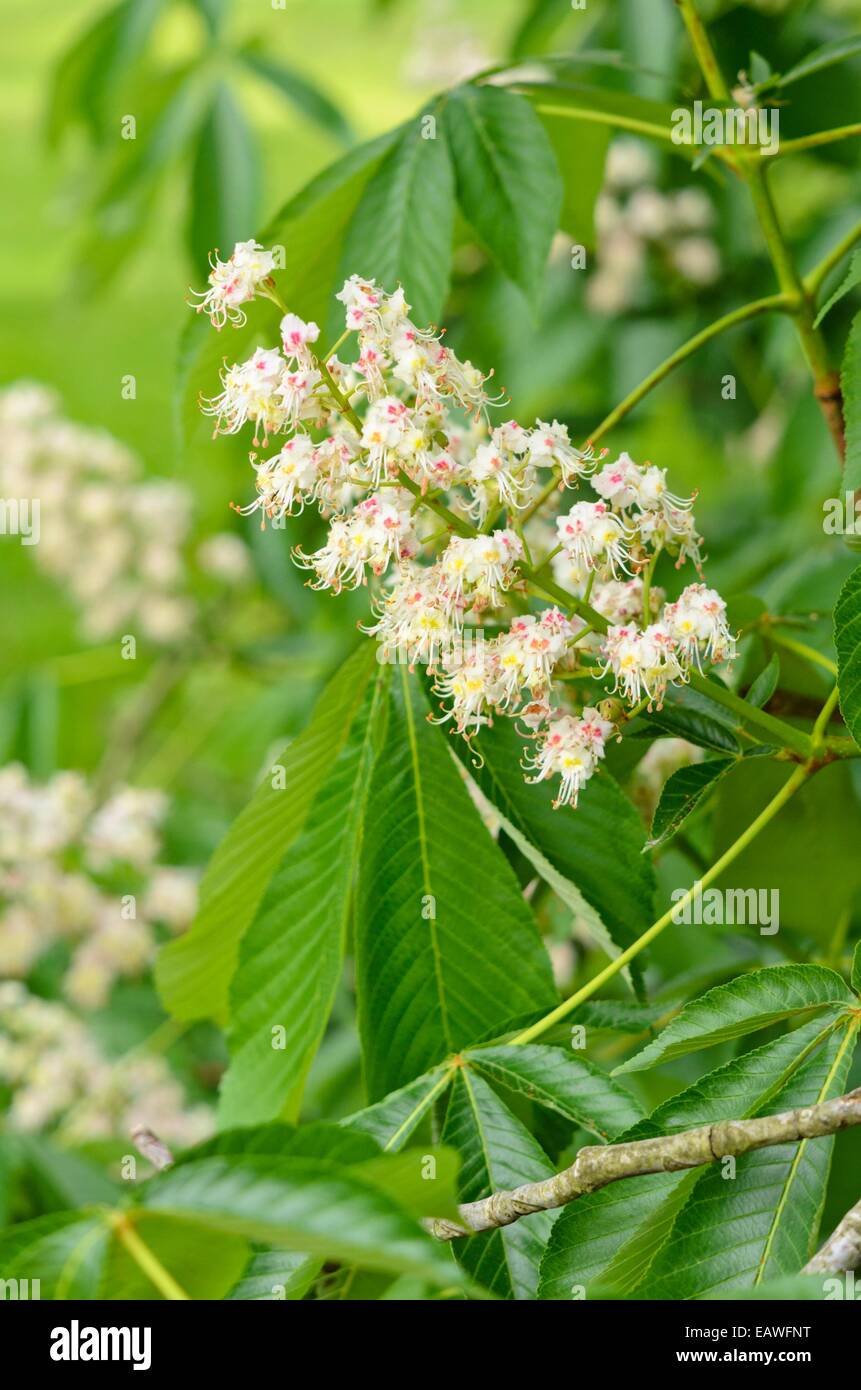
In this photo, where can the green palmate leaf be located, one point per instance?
(331, 1142)
(573, 843)
(696, 718)
(66, 1252)
(299, 1204)
(508, 183)
(849, 281)
(204, 1263)
(302, 93)
(850, 382)
(442, 957)
(580, 153)
(537, 26)
(847, 640)
(402, 1175)
(89, 69)
(276, 1275)
(392, 1120)
(619, 1015)
(856, 969)
(613, 1235)
(63, 1179)
(226, 178)
(682, 793)
(401, 231)
(762, 689)
(744, 1005)
(290, 958)
(761, 1222)
(561, 1081)
(837, 51)
(497, 1152)
(194, 973)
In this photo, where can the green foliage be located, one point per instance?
(508, 182)
(744, 1006)
(847, 640)
(440, 959)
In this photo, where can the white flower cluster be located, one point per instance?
(86, 876)
(110, 537)
(402, 431)
(633, 219)
(233, 282)
(62, 1082)
(111, 540)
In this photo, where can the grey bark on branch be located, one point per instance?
(842, 1250)
(597, 1165)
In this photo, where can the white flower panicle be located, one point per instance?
(86, 877)
(111, 538)
(64, 1084)
(380, 442)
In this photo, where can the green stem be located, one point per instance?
(824, 716)
(826, 383)
(815, 278)
(777, 730)
(647, 588)
(145, 1259)
(777, 803)
(781, 303)
(801, 649)
(704, 52)
(820, 137)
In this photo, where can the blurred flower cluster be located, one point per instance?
(454, 599)
(636, 222)
(62, 1082)
(110, 537)
(86, 876)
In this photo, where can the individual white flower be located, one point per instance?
(594, 537)
(642, 663)
(172, 896)
(378, 530)
(286, 481)
(697, 623)
(250, 392)
(296, 335)
(414, 619)
(697, 258)
(693, 210)
(528, 653)
(384, 428)
(469, 680)
(225, 557)
(549, 446)
(569, 748)
(617, 482)
(629, 162)
(362, 300)
(124, 830)
(621, 600)
(649, 213)
(496, 473)
(233, 282)
(480, 568)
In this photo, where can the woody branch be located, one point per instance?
(596, 1166)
